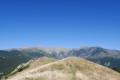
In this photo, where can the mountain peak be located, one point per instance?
(84, 47)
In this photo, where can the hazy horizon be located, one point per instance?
(55, 46)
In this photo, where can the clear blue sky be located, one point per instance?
(61, 23)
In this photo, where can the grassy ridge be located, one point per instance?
(71, 68)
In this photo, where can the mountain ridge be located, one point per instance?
(71, 68)
(58, 49)
(105, 57)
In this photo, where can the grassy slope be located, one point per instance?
(34, 64)
(71, 68)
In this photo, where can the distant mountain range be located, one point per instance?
(10, 59)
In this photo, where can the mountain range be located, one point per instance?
(11, 58)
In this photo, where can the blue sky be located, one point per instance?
(61, 23)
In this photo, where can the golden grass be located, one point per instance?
(71, 68)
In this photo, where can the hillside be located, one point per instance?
(71, 68)
(10, 59)
(105, 57)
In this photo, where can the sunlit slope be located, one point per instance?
(71, 68)
(40, 62)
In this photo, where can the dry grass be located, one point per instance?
(42, 61)
(71, 68)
